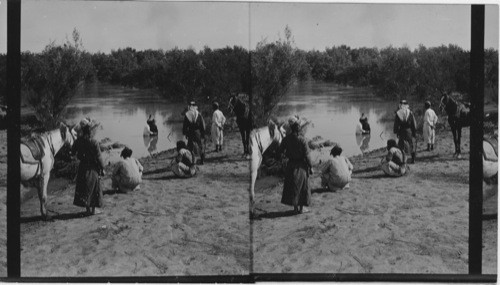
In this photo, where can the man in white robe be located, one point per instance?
(218, 121)
(430, 120)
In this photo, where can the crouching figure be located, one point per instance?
(394, 164)
(184, 164)
(336, 174)
(127, 175)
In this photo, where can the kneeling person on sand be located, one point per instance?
(394, 164)
(336, 174)
(184, 164)
(127, 175)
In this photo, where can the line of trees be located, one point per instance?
(51, 78)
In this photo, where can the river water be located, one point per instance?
(334, 112)
(122, 113)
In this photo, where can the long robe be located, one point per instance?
(405, 129)
(88, 190)
(218, 121)
(430, 120)
(194, 129)
(296, 190)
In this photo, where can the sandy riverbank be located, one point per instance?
(171, 226)
(200, 225)
(414, 224)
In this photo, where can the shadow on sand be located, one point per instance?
(321, 190)
(61, 217)
(273, 215)
(160, 170)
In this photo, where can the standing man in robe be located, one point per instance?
(218, 121)
(194, 130)
(405, 129)
(430, 120)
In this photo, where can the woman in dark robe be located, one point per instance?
(296, 190)
(88, 191)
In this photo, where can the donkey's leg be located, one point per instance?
(459, 136)
(254, 167)
(454, 133)
(242, 133)
(247, 141)
(42, 194)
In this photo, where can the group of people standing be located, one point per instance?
(127, 173)
(336, 172)
(395, 163)
(193, 129)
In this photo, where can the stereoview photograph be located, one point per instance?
(238, 138)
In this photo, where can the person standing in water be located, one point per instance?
(365, 127)
(152, 125)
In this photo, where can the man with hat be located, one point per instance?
(405, 129)
(430, 120)
(194, 130)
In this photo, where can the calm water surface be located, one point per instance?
(123, 112)
(334, 112)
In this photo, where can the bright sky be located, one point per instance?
(108, 25)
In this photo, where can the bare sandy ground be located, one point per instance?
(200, 225)
(196, 226)
(414, 224)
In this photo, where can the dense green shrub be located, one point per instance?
(50, 79)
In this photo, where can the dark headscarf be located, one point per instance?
(295, 127)
(336, 150)
(181, 145)
(391, 143)
(126, 152)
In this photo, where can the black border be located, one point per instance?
(475, 184)
(13, 137)
(476, 139)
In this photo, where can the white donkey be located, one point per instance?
(37, 159)
(260, 140)
(490, 167)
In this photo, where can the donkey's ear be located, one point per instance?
(272, 126)
(271, 123)
(63, 128)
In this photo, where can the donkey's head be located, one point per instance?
(444, 101)
(68, 134)
(277, 132)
